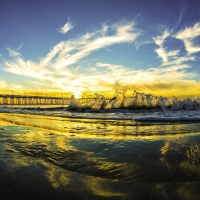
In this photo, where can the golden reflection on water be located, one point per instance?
(125, 129)
(48, 141)
(57, 178)
(101, 188)
(61, 180)
(165, 148)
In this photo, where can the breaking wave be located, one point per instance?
(137, 101)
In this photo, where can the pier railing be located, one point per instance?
(6, 99)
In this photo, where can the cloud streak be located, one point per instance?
(55, 67)
(161, 51)
(187, 36)
(173, 57)
(67, 27)
(63, 67)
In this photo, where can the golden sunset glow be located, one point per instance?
(81, 63)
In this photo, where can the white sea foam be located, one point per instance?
(118, 114)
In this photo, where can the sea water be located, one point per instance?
(117, 154)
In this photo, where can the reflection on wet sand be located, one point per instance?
(101, 159)
(58, 178)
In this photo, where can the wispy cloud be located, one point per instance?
(70, 52)
(159, 40)
(13, 53)
(174, 67)
(165, 55)
(67, 27)
(20, 46)
(161, 51)
(173, 57)
(138, 44)
(182, 11)
(65, 68)
(187, 36)
(55, 67)
(179, 60)
(25, 68)
(189, 32)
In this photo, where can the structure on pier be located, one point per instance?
(6, 99)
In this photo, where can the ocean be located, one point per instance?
(117, 154)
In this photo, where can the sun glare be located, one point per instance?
(77, 94)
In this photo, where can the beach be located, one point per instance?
(56, 157)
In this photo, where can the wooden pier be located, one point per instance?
(6, 99)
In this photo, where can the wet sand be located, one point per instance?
(43, 157)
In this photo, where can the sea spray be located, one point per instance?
(163, 102)
(137, 101)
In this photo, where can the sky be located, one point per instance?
(84, 47)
